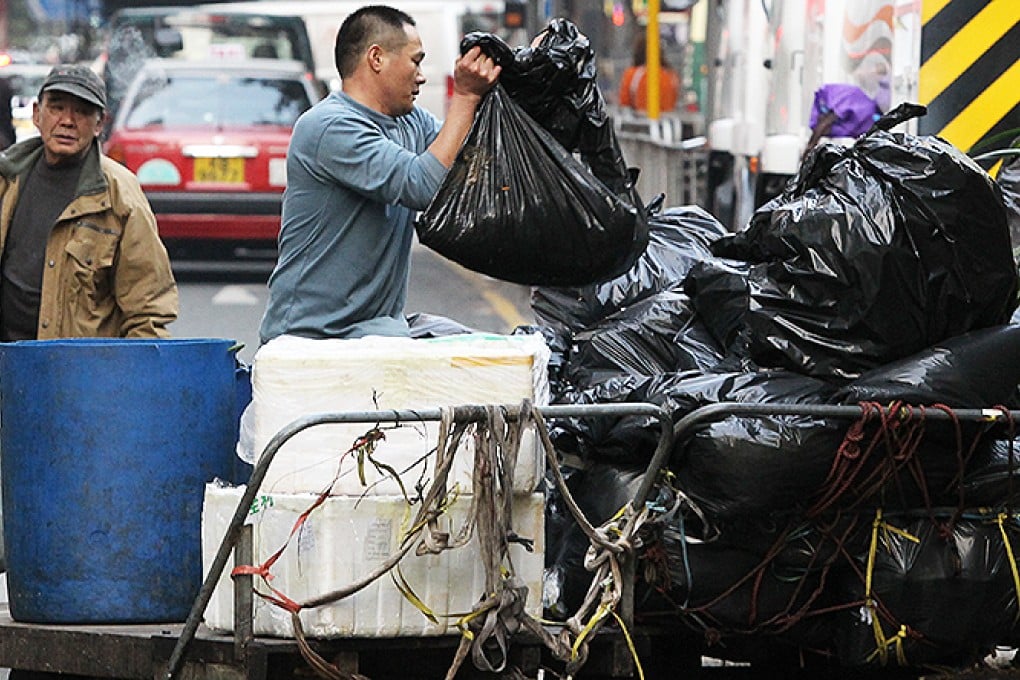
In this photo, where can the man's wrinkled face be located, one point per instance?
(67, 125)
(402, 74)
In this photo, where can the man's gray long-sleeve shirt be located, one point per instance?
(355, 179)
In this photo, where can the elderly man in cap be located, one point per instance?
(79, 252)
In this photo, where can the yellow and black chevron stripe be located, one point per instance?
(970, 70)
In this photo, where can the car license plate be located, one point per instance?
(219, 170)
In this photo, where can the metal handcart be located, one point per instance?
(189, 650)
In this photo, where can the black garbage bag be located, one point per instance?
(720, 293)
(583, 436)
(992, 479)
(743, 466)
(944, 592)
(659, 334)
(798, 543)
(600, 491)
(972, 370)
(555, 80)
(517, 206)
(980, 369)
(729, 591)
(736, 465)
(678, 238)
(872, 253)
(1008, 180)
(757, 590)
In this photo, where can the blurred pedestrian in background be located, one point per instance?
(80, 255)
(634, 83)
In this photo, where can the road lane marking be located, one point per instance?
(235, 295)
(505, 310)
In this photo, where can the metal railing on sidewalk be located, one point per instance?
(671, 153)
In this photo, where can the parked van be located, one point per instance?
(441, 24)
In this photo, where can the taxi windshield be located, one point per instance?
(216, 99)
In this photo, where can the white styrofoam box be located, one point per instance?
(343, 540)
(296, 377)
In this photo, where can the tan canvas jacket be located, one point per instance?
(106, 273)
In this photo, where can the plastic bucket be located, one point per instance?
(105, 449)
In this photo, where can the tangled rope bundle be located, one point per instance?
(499, 614)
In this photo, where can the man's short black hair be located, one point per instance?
(372, 24)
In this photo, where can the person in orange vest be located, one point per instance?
(634, 84)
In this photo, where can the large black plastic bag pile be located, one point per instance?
(517, 204)
(875, 252)
(653, 336)
(775, 546)
(678, 238)
(743, 466)
(622, 335)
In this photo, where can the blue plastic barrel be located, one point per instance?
(105, 449)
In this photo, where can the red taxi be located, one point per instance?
(208, 142)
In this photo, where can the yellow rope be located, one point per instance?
(871, 554)
(630, 646)
(889, 528)
(869, 604)
(882, 643)
(407, 591)
(1001, 521)
(600, 613)
(882, 651)
(442, 508)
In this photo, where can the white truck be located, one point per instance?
(441, 24)
(957, 57)
(736, 119)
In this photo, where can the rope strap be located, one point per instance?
(1001, 521)
(486, 631)
(882, 643)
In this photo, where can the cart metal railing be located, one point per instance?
(669, 433)
(461, 414)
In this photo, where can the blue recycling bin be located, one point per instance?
(105, 449)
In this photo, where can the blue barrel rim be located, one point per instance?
(75, 342)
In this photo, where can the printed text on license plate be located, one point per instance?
(223, 170)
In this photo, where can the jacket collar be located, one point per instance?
(15, 160)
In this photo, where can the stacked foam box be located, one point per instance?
(360, 524)
(295, 377)
(346, 538)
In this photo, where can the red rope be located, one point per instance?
(263, 570)
(899, 430)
